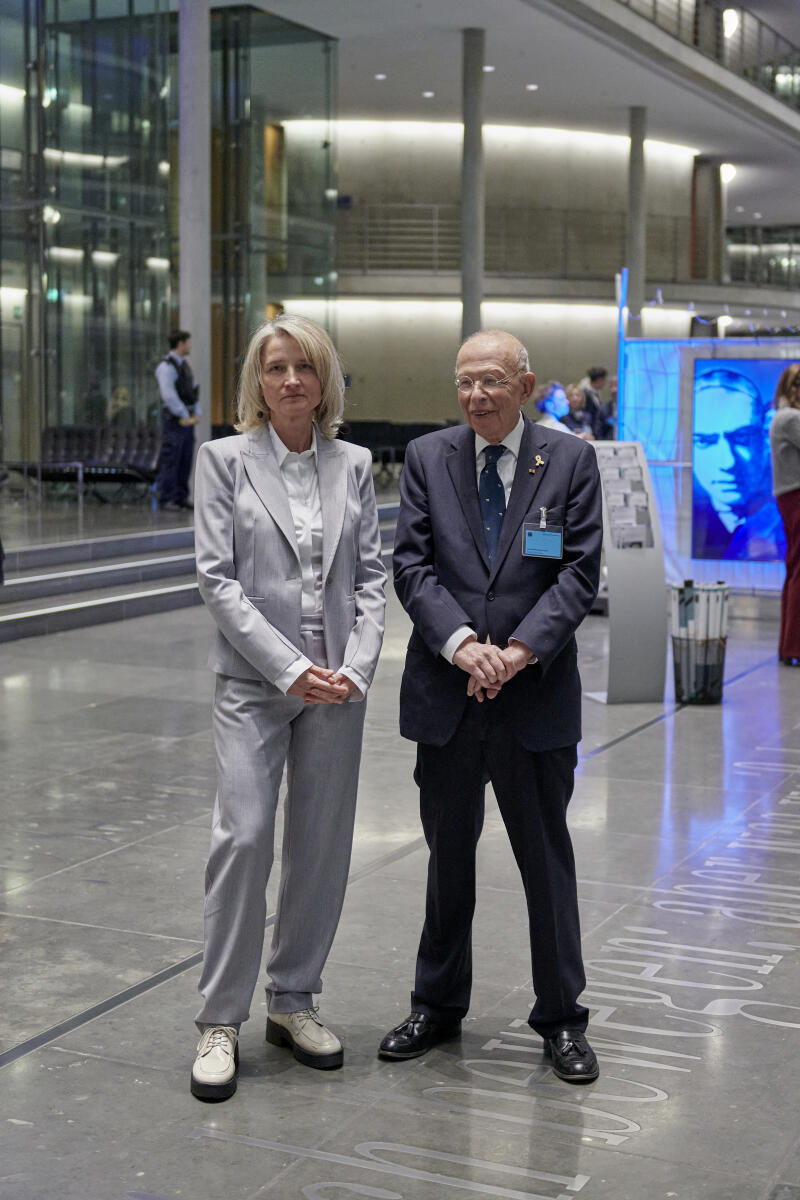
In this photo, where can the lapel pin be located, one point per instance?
(539, 460)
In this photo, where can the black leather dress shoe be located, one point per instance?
(415, 1036)
(572, 1056)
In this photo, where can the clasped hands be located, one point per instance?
(488, 666)
(320, 685)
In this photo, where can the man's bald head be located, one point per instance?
(499, 337)
(494, 381)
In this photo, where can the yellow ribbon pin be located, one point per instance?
(539, 460)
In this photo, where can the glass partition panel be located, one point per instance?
(89, 205)
(20, 225)
(273, 189)
(106, 257)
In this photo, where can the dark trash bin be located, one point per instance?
(699, 667)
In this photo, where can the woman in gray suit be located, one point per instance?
(289, 565)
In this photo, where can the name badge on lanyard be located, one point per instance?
(541, 540)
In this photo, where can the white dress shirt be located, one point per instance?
(301, 480)
(166, 376)
(506, 467)
(299, 473)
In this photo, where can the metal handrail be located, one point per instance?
(732, 36)
(551, 243)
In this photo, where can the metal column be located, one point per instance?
(194, 226)
(637, 221)
(472, 184)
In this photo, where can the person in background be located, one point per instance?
(121, 415)
(93, 405)
(593, 385)
(784, 439)
(179, 415)
(550, 405)
(290, 569)
(609, 410)
(578, 419)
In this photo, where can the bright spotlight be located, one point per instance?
(730, 22)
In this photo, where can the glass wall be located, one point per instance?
(20, 218)
(89, 205)
(766, 257)
(84, 193)
(272, 177)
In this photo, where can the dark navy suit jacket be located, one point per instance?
(443, 579)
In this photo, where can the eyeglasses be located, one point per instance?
(487, 383)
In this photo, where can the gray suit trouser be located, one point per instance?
(256, 731)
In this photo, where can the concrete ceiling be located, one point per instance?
(782, 15)
(584, 82)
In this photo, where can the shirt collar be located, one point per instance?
(281, 451)
(512, 441)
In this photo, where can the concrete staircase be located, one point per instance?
(70, 585)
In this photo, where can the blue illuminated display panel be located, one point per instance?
(734, 515)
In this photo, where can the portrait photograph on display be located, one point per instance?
(734, 514)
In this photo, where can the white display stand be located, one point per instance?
(637, 606)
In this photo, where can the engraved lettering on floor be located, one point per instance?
(656, 1003)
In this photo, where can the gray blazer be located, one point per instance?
(248, 565)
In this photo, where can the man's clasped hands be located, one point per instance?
(488, 666)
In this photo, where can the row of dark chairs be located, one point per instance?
(129, 454)
(108, 453)
(386, 439)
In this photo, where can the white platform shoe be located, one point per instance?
(216, 1064)
(311, 1043)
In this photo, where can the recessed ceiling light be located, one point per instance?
(428, 95)
(739, 208)
(727, 172)
(487, 68)
(380, 75)
(531, 87)
(756, 216)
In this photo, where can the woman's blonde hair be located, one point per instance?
(789, 377)
(320, 352)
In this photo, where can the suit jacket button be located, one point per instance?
(490, 595)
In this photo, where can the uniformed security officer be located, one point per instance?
(179, 415)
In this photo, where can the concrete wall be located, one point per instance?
(400, 354)
(559, 196)
(556, 199)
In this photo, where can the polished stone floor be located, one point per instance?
(686, 825)
(60, 516)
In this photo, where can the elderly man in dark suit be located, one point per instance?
(496, 561)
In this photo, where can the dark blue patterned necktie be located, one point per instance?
(492, 497)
